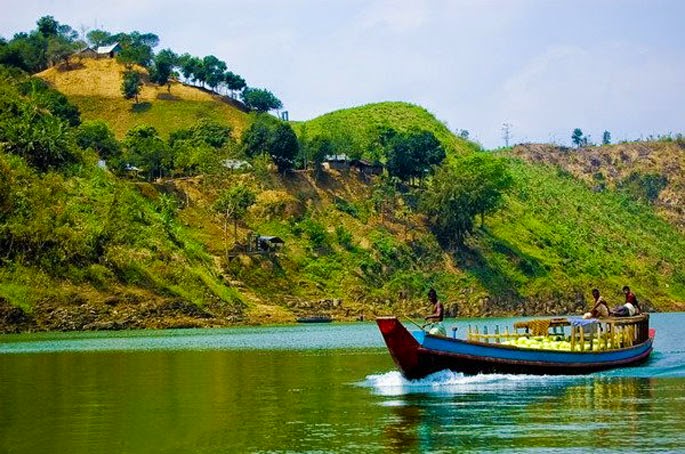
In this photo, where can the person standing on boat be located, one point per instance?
(600, 309)
(435, 320)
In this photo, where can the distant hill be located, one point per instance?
(94, 85)
(359, 126)
(651, 171)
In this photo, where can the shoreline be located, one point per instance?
(177, 314)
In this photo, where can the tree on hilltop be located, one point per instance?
(606, 138)
(163, 66)
(260, 99)
(98, 38)
(234, 82)
(191, 67)
(577, 138)
(213, 71)
(136, 48)
(61, 49)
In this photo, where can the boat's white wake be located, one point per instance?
(448, 382)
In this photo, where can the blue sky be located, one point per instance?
(545, 67)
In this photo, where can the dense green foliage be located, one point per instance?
(643, 187)
(50, 43)
(35, 122)
(269, 136)
(362, 132)
(260, 99)
(372, 241)
(64, 221)
(471, 185)
(97, 136)
(145, 149)
(413, 154)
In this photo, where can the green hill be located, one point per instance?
(650, 171)
(556, 239)
(85, 249)
(357, 127)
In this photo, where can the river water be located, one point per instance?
(318, 388)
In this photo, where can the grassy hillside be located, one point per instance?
(556, 237)
(653, 171)
(83, 249)
(358, 126)
(95, 87)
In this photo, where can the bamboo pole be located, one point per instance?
(573, 337)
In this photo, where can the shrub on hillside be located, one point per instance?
(205, 131)
(643, 186)
(97, 135)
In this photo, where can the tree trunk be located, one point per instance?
(235, 229)
(226, 237)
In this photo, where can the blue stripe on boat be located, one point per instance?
(498, 352)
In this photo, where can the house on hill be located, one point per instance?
(336, 162)
(110, 51)
(236, 164)
(88, 52)
(366, 168)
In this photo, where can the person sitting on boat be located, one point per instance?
(631, 306)
(435, 325)
(600, 309)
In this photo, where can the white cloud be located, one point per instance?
(397, 15)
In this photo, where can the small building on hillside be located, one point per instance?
(269, 243)
(110, 51)
(88, 52)
(336, 162)
(236, 164)
(366, 168)
(263, 244)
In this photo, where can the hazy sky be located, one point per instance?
(545, 67)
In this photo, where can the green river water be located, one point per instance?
(317, 388)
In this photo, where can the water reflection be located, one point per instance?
(603, 412)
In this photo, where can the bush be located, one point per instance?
(97, 136)
(643, 187)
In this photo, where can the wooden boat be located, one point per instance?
(315, 319)
(595, 345)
